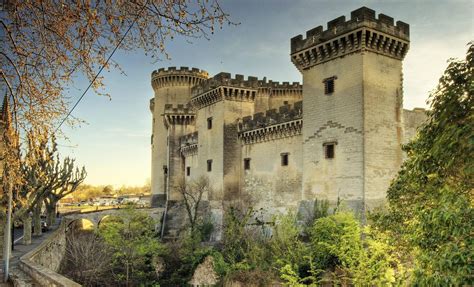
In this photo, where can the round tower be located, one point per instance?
(172, 87)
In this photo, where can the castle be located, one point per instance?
(336, 136)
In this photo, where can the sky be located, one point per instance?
(114, 143)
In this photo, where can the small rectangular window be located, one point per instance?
(188, 171)
(329, 85)
(209, 165)
(329, 150)
(246, 163)
(284, 159)
(209, 123)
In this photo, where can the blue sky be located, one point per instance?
(114, 144)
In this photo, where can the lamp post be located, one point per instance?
(7, 237)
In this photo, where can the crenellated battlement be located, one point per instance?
(237, 88)
(286, 122)
(363, 31)
(178, 115)
(181, 76)
(225, 79)
(271, 117)
(178, 109)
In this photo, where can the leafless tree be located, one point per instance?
(87, 259)
(192, 193)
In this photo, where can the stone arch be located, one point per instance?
(81, 224)
(109, 218)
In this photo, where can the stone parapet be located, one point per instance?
(43, 262)
(225, 79)
(189, 144)
(178, 115)
(285, 122)
(362, 31)
(224, 86)
(284, 114)
(177, 77)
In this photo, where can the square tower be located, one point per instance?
(352, 107)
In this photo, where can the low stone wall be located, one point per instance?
(43, 262)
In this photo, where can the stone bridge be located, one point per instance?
(96, 216)
(43, 262)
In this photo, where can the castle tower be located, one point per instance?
(171, 119)
(352, 106)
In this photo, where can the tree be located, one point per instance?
(134, 245)
(431, 215)
(45, 44)
(87, 259)
(192, 194)
(45, 180)
(68, 180)
(108, 190)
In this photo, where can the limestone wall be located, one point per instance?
(336, 118)
(43, 262)
(268, 183)
(411, 121)
(382, 125)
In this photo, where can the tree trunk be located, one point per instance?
(51, 214)
(37, 220)
(27, 230)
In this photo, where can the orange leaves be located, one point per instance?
(50, 43)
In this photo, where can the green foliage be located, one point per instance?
(285, 245)
(134, 245)
(336, 241)
(430, 215)
(377, 264)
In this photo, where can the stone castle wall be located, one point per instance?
(260, 121)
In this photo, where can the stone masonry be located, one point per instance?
(336, 136)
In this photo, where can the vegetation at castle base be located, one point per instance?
(331, 248)
(430, 218)
(134, 247)
(124, 251)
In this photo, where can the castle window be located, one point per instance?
(209, 165)
(284, 159)
(329, 85)
(285, 103)
(246, 163)
(188, 171)
(209, 123)
(329, 150)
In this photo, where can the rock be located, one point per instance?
(204, 275)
